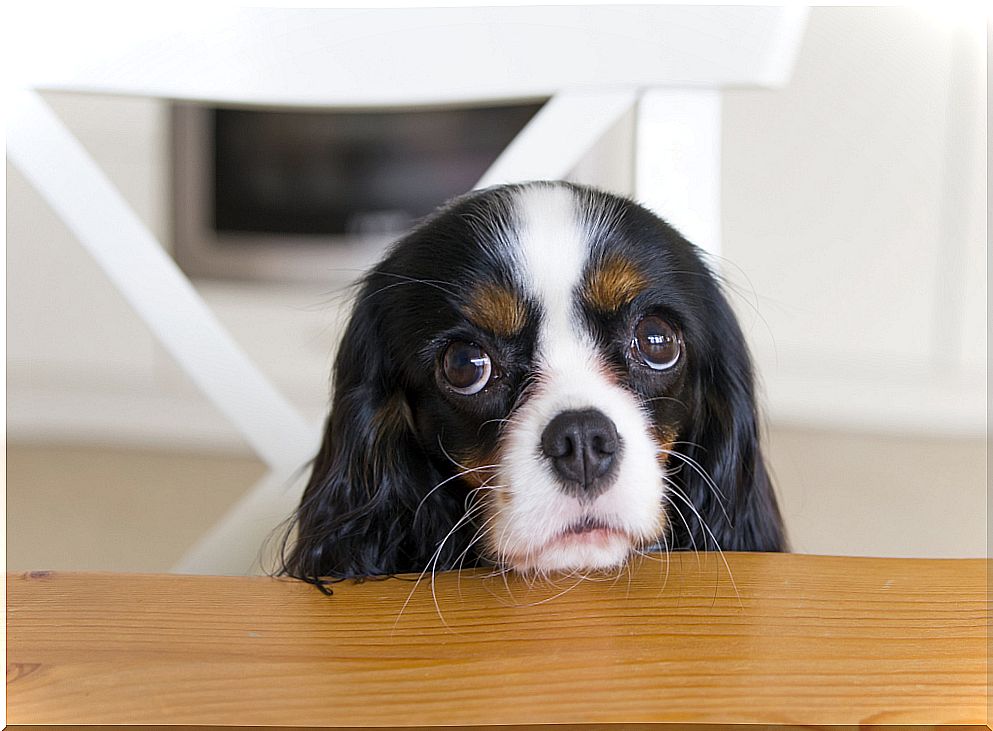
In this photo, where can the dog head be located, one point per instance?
(544, 377)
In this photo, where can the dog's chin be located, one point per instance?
(576, 551)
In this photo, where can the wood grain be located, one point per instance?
(793, 640)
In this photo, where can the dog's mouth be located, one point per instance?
(586, 528)
(589, 543)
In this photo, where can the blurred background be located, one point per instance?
(853, 239)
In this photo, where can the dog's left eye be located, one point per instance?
(656, 343)
(466, 367)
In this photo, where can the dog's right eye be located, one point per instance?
(466, 367)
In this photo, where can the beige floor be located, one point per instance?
(78, 508)
(872, 495)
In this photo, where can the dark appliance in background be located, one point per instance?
(316, 195)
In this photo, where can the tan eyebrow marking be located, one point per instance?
(496, 309)
(614, 284)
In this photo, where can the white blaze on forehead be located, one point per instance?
(553, 247)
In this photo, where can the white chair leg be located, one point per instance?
(558, 136)
(678, 161)
(247, 539)
(77, 190)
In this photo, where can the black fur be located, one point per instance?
(371, 506)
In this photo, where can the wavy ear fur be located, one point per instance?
(728, 485)
(361, 512)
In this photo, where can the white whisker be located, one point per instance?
(717, 544)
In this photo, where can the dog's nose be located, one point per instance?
(583, 448)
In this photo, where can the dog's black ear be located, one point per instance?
(362, 513)
(719, 462)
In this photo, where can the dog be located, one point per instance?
(541, 377)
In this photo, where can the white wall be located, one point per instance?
(854, 205)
